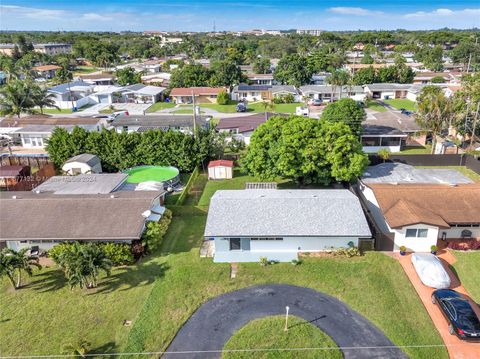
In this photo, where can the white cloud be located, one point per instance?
(31, 13)
(443, 13)
(91, 16)
(357, 11)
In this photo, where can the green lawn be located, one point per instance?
(54, 111)
(399, 103)
(467, 172)
(416, 150)
(467, 267)
(268, 333)
(251, 107)
(160, 106)
(82, 70)
(374, 105)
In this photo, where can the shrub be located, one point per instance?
(296, 262)
(155, 231)
(433, 248)
(137, 249)
(278, 100)
(236, 145)
(384, 154)
(288, 98)
(264, 261)
(56, 252)
(222, 98)
(348, 252)
(118, 253)
(466, 245)
(403, 248)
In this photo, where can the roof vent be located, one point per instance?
(314, 196)
(112, 196)
(37, 191)
(147, 213)
(14, 197)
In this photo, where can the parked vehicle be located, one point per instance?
(430, 270)
(405, 112)
(241, 107)
(316, 102)
(462, 319)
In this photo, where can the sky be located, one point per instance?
(189, 15)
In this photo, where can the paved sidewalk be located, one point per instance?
(457, 349)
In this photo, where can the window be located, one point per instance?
(416, 233)
(266, 239)
(235, 244)
(371, 141)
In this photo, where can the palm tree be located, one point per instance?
(42, 98)
(82, 265)
(8, 67)
(13, 263)
(434, 111)
(15, 98)
(338, 78)
(268, 106)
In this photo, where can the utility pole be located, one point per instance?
(470, 56)
(194, 115)
(475, 124)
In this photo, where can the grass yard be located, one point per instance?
(467, 267)
(399, 103)
(280, 108)
(83, 70)
(416, 150)
(374, 105)
(467, 172)
(160, 106)
(54, 111)
(268, 333)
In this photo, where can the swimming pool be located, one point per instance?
(141, 174)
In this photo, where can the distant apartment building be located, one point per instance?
(309, 32)
(48, 49)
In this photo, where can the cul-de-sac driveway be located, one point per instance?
(209, 328)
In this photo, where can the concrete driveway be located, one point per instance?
(210, 327)
(457, 349)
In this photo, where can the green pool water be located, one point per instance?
(151, 173)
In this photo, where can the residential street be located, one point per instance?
(210, 327)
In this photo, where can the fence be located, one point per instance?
(32, 161)
(183, 196)
(27, 183)
(469, 161)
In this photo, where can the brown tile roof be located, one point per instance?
(73, 217)
(46, 120)
(46, 68)
(97, 76)
(439, 205)
(197, 91)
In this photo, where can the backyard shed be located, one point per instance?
(82, 164)
(220, 169)
(10, 175)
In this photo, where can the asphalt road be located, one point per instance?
(210, 327)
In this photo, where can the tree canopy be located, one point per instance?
(347, 111)
(305, 150)
(293, 70)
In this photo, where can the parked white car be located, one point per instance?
(430, 270)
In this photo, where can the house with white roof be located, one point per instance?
(246, 225)
(72, 94)
(328, 93)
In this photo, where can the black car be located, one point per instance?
(463, 321)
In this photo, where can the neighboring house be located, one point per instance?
(328, 93)
(320, 78)
(11, 175)
(242, 127)
(251, 93)
(426, 77)
(352, 68)
(418, 216)
(386, 91)
(45, 219)
(52, 49)
(220, 169)
(82, 164)
(108, 94)
(161, 78)
(260, 79)
(278, 91)
(140, 93)
(202, 94)
(93, 183)
(102, 79)
(72, 94)
(246, 225)
(33, 131)
(182, 123)
(375, 138)
(46, 71)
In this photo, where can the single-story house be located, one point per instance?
(161, 78)
(82, 164)
(352, 68)
(202, 94)
(246, 225)
(118, 217)
(251, 93)
(11, 175)
(260, 79)
(242, 127)
(99, 79)
(375, 138)
(140, 93)
(426, 77)
(182, 123)
(220, 169)
(328, 93)
(72, 94)
(108, 94)
(417, 216)
(46, 71)
(278, 91)
(92, 183)
(386, 91)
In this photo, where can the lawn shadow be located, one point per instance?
(47, 281)
(104, 349)
(127, 278)
(308, 322)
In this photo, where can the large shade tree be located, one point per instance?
(347, 111)
(305, 150)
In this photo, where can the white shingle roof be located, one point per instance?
(244, 213)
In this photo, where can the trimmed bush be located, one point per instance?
(118, 253)
(155, 231)
(222, 98)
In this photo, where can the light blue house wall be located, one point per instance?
(283, 250)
